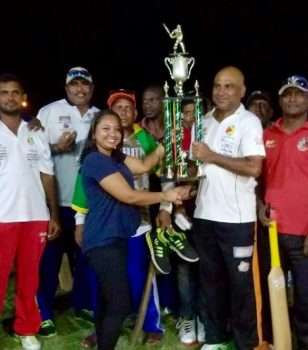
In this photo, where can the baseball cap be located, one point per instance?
(121, 93)
(258, 95)
(296, 81)
(78, 72)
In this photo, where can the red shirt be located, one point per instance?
(285, 175)
(186, 140)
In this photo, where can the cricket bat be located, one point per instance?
(278, 296)
(144, 303)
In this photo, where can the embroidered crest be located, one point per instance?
(302, 144)
(30, 140)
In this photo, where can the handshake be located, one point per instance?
(176, 195)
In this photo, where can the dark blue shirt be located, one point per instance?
(108, 219)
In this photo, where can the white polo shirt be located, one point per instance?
(56, 118)
(224, 196)
(22, 158)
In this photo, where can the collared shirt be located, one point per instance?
(224, 196)
(285, 175)
(22, 158)
(56, 118)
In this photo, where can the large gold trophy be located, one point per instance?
(179, 65)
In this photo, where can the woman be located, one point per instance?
(107, 176)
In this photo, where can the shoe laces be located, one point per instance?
(47, 323)
(185, 326)
(160, 237)
(177, 238)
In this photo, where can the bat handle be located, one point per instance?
(273, 236)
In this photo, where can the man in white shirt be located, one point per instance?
(67, 123)
(225, 214)
(26, 223)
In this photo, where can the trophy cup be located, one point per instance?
(179, 66)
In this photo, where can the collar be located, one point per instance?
(71, 104)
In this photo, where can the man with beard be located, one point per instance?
(27, 182)
(152, 107)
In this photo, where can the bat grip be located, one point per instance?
(273, 236)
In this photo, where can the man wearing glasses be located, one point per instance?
(285, 184)
(66, 124)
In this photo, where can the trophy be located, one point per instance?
(179, 66)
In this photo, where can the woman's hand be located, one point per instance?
(176, 195)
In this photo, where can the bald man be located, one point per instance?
(225, 214)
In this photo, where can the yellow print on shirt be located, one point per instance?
(230, 130)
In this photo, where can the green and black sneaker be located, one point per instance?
(85, 316)
(179, 244)
(159, 249)
(47, 329)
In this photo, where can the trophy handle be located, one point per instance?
(192, 62)
(168, 60)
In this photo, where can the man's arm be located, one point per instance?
(245, 166)
(35, 124)
(50, 189)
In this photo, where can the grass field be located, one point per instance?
(70, 331)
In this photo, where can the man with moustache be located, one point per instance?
(66, 123)
(152, 108)
(285, 192)
(27, 185)
(225, 214)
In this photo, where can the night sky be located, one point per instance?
(123, 43)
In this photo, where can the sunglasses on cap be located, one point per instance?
(79, 74)
(296, 80)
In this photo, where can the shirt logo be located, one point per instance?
(302, 144)
(65, 120)
(270, 144)
(30, 140)
(230, 130)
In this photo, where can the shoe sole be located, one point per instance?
(190, 344)
(184, 257)
(150, 245)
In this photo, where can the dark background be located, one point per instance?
(123, 43)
